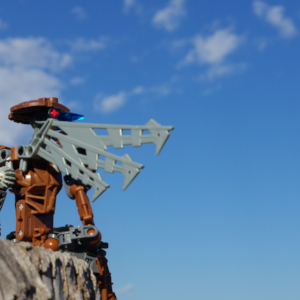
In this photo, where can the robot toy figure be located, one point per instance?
(33, 174)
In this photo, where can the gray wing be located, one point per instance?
(82, 147)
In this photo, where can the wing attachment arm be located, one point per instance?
(82, 147)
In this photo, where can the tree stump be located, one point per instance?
(36, 273)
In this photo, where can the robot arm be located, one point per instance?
(76, 190)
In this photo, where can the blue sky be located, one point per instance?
(216, 215)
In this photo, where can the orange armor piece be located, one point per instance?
(83, 204)
(35, 192)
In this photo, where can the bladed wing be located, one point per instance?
(83, 151)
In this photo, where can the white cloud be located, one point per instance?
(82, 44)
(27, 68)
(126, 290)
(77, 80)
(130, 5)
(3, 25)
(261, 43)
(74, 106)
(259, 7)
(170, 17)
(161, 90)
(33, 53)
(79, 12)
(138, 90)
(274, 15)
(217, 70)
(212, 49)
(110, 103)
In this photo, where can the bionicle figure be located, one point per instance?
(33, 174)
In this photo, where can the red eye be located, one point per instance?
(54, 113)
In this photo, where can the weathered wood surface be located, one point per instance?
(28, 272)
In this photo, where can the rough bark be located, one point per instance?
(36, 273)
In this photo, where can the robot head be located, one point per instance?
(41, 110)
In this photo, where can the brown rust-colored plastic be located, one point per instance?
(97, 240)
(85, 211)
(14, 155)
(52, 244)
(83, 204)
(4, 147)
(104, 280)
(23, 112)
(35, 192)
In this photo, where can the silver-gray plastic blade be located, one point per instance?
(82, 147)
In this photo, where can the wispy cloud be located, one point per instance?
(73, 105)
(82, 44)
(212, 51)
(110, 103)
(261, 43)
(220, 70)
(28, 70)
(128, 4)
(33, 53)
(126, 290)
(77, 80)
(274, 15)
(132, 5)
(169, 18)
(79, 13)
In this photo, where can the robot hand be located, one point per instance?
(7, 178)
(2, 198)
